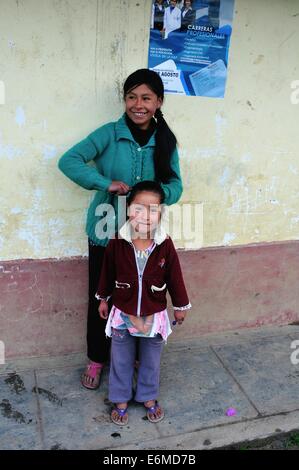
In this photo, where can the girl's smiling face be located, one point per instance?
(141, 104)
(145, 213)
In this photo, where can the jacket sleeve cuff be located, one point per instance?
(103, 184)
(185, 307)
(98, 297)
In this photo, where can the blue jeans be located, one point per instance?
(123, 349)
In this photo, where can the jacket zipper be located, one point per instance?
(140, 276)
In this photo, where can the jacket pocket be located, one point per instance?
(158, 289)
(122, 285)
(123, 291)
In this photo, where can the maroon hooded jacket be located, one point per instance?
(142, 294)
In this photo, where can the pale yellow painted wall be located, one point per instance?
(63, 63)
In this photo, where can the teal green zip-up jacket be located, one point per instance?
(117, 157)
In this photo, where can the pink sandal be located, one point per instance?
(93, 371)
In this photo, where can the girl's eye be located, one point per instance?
(154, 210)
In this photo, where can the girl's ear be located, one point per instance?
(160, 102)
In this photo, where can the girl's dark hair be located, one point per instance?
(151, 186)
(165, 138)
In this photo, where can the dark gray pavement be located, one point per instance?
(43, 405)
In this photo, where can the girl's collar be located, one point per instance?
(122, 131)
(160, 233)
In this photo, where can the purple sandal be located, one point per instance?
(150, 410)
(121, 413)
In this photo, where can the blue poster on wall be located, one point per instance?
(189, 44)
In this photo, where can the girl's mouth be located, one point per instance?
(142, 223)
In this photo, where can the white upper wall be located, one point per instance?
(63, 63)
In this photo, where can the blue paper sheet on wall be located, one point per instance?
(189, 44)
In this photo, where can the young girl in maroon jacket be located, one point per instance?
(140, 265)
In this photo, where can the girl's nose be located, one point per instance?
(145, 215)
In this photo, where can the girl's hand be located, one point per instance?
(119, 187)
(103, 309)
(179, 315)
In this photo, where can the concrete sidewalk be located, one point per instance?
(43, 405)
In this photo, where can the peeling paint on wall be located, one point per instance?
(246, 158)
(293, 169)
(16, 210)
(20, 116)
(10, 152)
(228, 237)
(220, 124)
(49, 152)
(224, 177)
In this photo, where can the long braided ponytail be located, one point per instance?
(165, 145)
